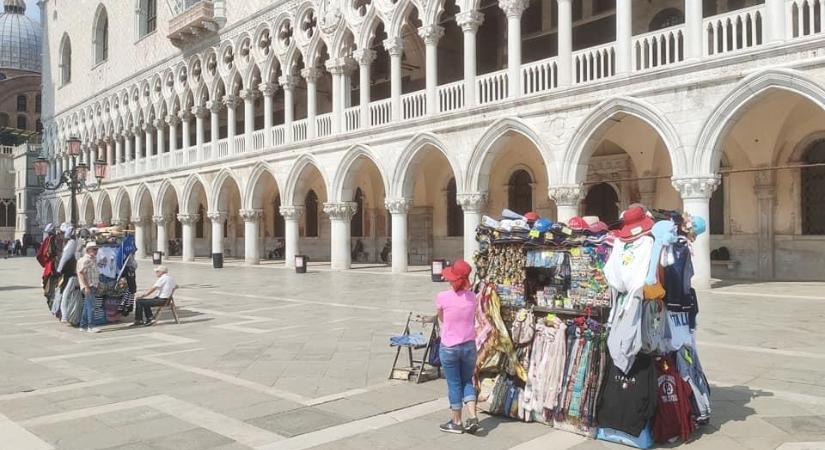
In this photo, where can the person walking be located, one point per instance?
(456, 312)
(163, 289)
(88, 277)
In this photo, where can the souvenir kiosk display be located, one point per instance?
(589, 328)
(58, 254)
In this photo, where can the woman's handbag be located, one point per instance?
(434, 358)
(524, 326)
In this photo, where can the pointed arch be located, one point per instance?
(190, 187)
(104, 207)
(251, 192)
(122, 205)
(292, 188)
(141, 194)
(163, 190)
(348, 167)
(402, 182)
(485, 152)
(218, 183)
(720, 122)
(574, 163)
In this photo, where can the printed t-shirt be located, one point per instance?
(459, 316)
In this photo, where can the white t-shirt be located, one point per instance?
(165, 285)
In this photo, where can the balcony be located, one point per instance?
(193, 23)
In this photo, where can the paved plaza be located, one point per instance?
(268, 359)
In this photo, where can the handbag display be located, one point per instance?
(524, 327)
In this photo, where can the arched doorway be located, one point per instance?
(603, 202)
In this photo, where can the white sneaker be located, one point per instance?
(92, 330)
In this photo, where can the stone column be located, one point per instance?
(567, 198)
(188, 222)
(336, 69)
(469, 21)
(119, 148)
(292, 217)
(163, 243)
(251, 218)
(776, 22)
(696, 192)
(217, 219)
(765, 188)
(268, 91)
(340, 215)
(694, 31)
(398, 209)
(140, 224)
(248, 96)
(185, 118)
(288, 83)
(160, 145)
(431, 34)
(230, 101)
(127, 141)
(624, 36)
(215, 107)
(473, 205)
(513, 9)
(565, 42)
(172, 121)
(395, 47)
(150, 148)
(311, 75)
(110, 150)
(364, 57)
(200, 114)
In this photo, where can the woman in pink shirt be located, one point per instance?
(456, 311)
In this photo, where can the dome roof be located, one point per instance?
(19, 38)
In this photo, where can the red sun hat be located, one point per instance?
(635, 222)
(577, 223)
(458, 270)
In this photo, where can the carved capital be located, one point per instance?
(513, 8)
(172, 121)
(230, 101)
(398, 205)
(340, 211)
(394, 46)
(140, 221)
(566, 195)
(364, 56)
(251, 215)
(161, 220)
(188, 219)
(292, 212)
(288, 82)
(469, 20)
(268, 89)
(473, 202)
(431, 34)
(311, 74)
(184, 115)
(215, 106)
(249, 94)
(199, 111)
(700, 187)
(216, 216)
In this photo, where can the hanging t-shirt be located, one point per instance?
(107, 261)
(628, 400)
(678, 278)
(679, 329)
(673, 404)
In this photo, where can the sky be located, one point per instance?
(32, 10)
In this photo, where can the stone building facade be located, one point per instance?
(231, 124)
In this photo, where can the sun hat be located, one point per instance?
(635, 221)
(458, 270)
(597, 227)
(510, 214)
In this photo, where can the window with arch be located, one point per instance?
(813, 190)
(147, 17)
(21, 103)
(22, 123)
(101, 36)
(201, 226)
(357, 223)
(520, 192)
(665, 18)
(455, 217)
(8, 212)
(65, 61)
(311, 214)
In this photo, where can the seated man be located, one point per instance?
(163, 289)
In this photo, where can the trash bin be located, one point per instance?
(157, 258)
(217, 260)
(301, 262)
(436, 268)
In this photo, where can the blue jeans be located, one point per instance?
(87, 316)
(459, 362)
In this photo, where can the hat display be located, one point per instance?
(531, 216)
(510, 214)
(458, 270)
(635, 222)
(577, 223)
(590, 220)
(543, 225)
(597, 227)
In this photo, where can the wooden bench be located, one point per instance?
(169, 304)
(729, 263)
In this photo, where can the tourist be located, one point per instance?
(456, 311)
(163, 289)
(88, 277)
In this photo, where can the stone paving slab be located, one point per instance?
(271, 359)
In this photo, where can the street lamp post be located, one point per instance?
(74, 178)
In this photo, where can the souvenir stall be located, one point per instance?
(589, 328)
(58, 254)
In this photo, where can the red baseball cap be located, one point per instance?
(531, 216)
(458, 270)
(577, 223)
